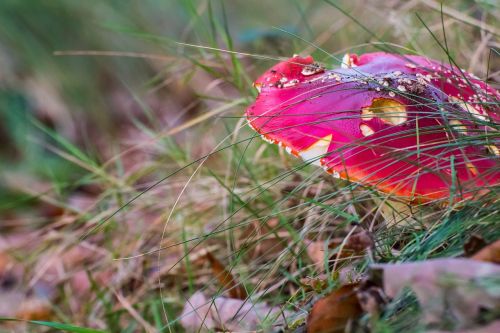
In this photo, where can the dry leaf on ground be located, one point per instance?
(445, 288)
(493, 327)
(14, 300)
(334, 312)
(202, 313)
(226, 279)
(490, 253)
(474, 244)
(34, 309)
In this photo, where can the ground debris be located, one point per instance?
(202, 313)
(490, 253)
(335, 312)
(226, 278)
(453, 290)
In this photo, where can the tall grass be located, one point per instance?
(167, 184)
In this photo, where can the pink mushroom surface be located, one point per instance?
(405, 124)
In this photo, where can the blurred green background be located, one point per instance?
(88, 98)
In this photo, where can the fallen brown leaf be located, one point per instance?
(316, 252)
(445, 288)
(490, 253)
(493, 327)
(202, 313)
(11, 295)
(474, 244)
(34, 309)
(371, 297)
(334, 312)
(18, 301)
(358, 242)
(226, 279)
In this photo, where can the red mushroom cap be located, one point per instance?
(407, 125)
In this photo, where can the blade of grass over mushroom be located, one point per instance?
(274, 128)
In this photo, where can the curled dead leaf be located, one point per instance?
(11, 275)
(473, 245)
(34, 309)
(357, 243)
(490, 253)
(202, 313)
(447, 289)
(226, 279)
(334, 312)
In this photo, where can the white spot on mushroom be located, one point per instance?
(334, 76)
(401, 88)
(266, 139)
(392, 94)
(346, 61)
(311, 69)
(251, 125)
(493, 150)
(468, 108)
(366, 130)
(291, 83)
(334, 173)
(458, 126)
(316, 151)
(421, 81)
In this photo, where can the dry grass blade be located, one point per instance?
(135, 197)
(127, 306)
(461, 17)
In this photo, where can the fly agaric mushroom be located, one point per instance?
(407, 125)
